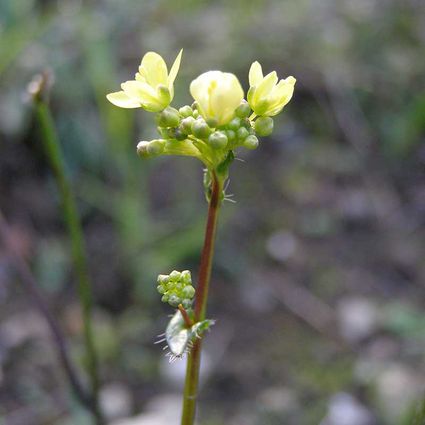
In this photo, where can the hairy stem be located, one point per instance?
(70, 213)
(194, 359)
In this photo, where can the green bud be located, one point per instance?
(243, 110)
(155, 147)
(175, 275)
(169, 117)
(185, 111)
(142, 149)
(212, 122)
(160, 289)
(186, 277)
(163, 278)
(234, 124)
(231, 135)
(251, 142)
(187, 303)
(264, 126)
(186, 125)
(218, 140)
(242, 133)
(165, 298)
(200, 129)
(188, 291)
(179, 135)
(195, 114)
(174, 300)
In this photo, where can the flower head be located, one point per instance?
(218, 95)
(266, 95)
(153, 87)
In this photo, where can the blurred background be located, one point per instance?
(319, 275)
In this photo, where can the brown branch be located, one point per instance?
(37, 299)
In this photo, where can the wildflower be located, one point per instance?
(153, 87)
(217, 94)
(266, 95)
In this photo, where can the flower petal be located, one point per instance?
(154, 69)
(266, 86)
(122, 100)
(174, 69)
(255, 74)
(139, 90)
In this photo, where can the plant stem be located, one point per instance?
(31, 286)
(194, 359)
(70, 213)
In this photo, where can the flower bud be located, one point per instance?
(179, 135)
(218, 140)
(251, 142)
(186, 277)
(186, 111)
(174, 300)
(162, 279)
(161, 289)
(169, 117)
(175, 275)
(243, 110)
(242, 133)
(186, 125)
(155, 147)
(188, 291)
(235, 124)
(231, 135)
(142, 149)
(264, 126)
(187, 303)
(200, 129)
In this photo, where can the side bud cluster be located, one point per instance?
(176, 288)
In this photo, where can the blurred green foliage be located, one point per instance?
(341, 180)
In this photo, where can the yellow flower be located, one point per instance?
(153, 87)
(266, 95)
(218, 95)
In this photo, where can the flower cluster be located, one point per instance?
(176, 288)
(220, 119)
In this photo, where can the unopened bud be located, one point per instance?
(142, 149)
(242, 133)
(235, 124)
(186, 125)
(243, 110)
(251, 142)
(169, 117)
(218, 140)
(264, 126)
(185, 111)
(200, 129)
(155, 147)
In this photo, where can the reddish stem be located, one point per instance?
(194, 360)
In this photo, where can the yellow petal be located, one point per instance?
(266, 86)
(154, 69)
(282, 94)
(174, 69)
(226, 98)
(255, 74)
(122, 100)
(139, 90)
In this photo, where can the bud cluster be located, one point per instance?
(187, 125)
(176, 288)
